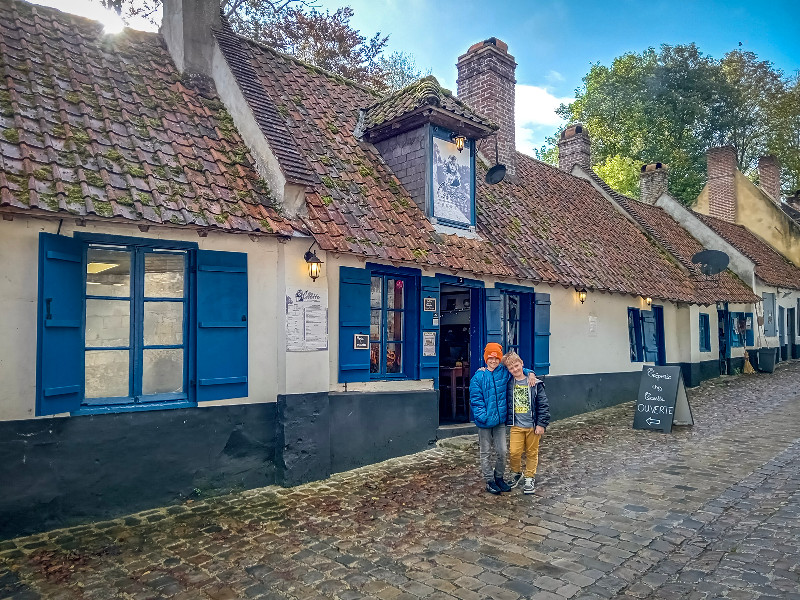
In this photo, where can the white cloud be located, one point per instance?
(535, 116)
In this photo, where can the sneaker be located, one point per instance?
(501, 483)
(515, 479)
(492, 488)
(530, 485)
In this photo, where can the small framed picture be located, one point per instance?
(429, 304)
(361, 341)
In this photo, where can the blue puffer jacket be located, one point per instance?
(488, 396)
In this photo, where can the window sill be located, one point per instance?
(120, 408)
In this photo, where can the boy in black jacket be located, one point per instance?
(528, 416)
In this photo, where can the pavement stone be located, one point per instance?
(710, 511)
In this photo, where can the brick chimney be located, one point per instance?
(186, 27)
(574, 148)
(722, 168)
(486, 79)
(769, 177)
(652, 182)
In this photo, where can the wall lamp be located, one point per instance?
(648, 301)
(581, 294)
(314, 263)
(459, 141)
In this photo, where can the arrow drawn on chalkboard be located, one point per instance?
(652, 421)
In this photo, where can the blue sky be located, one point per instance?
(555, 42)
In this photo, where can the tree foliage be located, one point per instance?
(672, 105)
(296, 27)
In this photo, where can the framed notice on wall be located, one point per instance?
(307, 321)
(428, 343)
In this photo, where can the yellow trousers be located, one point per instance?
(524, 440)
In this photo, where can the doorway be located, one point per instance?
(459, 340)
(791, 322)
(724, 341)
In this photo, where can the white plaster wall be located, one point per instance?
(19, 247)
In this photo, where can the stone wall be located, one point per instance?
(407, 155)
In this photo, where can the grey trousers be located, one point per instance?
(489, 438)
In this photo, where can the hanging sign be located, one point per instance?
(662, 400)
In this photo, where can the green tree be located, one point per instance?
(784, 142)
(672, 105)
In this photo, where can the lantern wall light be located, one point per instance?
(459, 141)
(648, 301)
(581, 295)
(314, 263)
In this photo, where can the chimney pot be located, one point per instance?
(653, 181)
(486, 80)
(574, 148)
(769, 177)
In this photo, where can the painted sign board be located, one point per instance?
(662, 400)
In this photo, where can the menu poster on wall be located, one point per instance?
(307, 321)
(428, 343)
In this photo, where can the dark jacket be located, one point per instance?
(488, 396)
(539, 405)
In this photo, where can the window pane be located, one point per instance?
(375, 325)
(375, 292)
(395, 323)
(163, 323)
(107, 373)
(394, 290)
(394, 357)
(108, 272)
(374, 358)
(162, 371)
(164, 275)
(108, 323)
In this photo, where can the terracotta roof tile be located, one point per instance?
(104, 126)
(771, 267)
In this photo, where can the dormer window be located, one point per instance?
(452, 190)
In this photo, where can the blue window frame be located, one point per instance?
(705, 333)
(136, 324)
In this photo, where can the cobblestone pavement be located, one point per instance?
(711, 511)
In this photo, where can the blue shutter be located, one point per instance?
(354, 287)
(749, 334)
(494, 316)
(781, 325)
(60, 351)
(649, 336)
(541, 334)
(221, 325)
(703, 332)
(429, 365)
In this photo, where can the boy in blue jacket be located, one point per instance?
(488, 397)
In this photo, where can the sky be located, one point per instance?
(555, 42)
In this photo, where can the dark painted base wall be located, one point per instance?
(65, 471)
(575, 394)
(370, 427)
(696, 373)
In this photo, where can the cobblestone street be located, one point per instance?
(710, 511)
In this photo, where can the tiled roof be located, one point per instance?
(680, 244)
(422, 93)
(771, 267)
(96, 125)
(546, 226)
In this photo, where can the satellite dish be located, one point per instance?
(495, 174)
(711, 262)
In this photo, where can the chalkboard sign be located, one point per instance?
(662, 400)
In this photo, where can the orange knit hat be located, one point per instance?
(492, 349)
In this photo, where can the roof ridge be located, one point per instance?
(330, 74)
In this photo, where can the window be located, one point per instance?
(636, 350)
(511, 322)
(387, 305)
(705, 333)
(135, 324)
(129, 323)
(738, 326)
